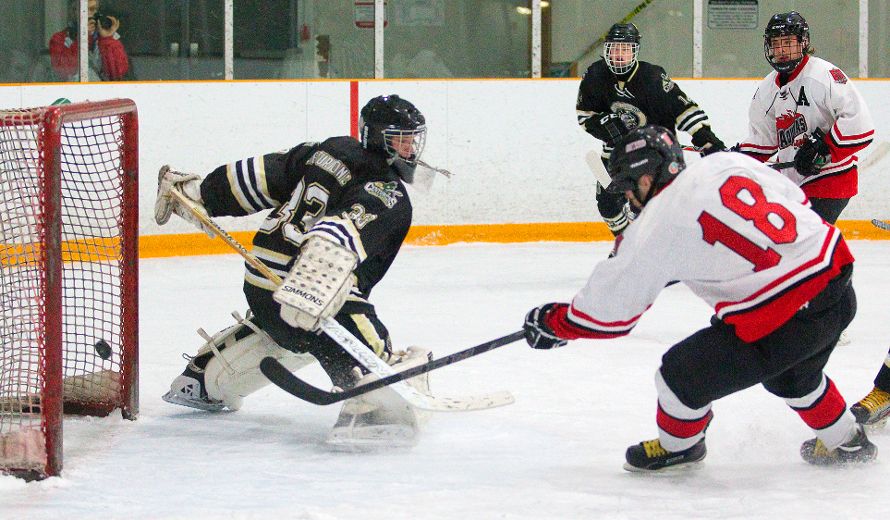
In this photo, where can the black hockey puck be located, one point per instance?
(103, 349)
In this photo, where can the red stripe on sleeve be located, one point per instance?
(558, 321)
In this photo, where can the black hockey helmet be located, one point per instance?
(621, 36)
(387, 121)
(786, 24)
(649, 150)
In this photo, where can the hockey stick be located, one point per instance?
(281, 376)
(780, 165)
(880, 224)
(879, 152)
(595, 163)
(342, 336)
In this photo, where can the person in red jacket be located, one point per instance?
(107, 56)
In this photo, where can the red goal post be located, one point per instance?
(68, 274)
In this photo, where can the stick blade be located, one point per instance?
(875, 155)
(595, 163)
(880, 224)
(285, 380)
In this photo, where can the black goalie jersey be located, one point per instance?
(645, 96)
(334, 188)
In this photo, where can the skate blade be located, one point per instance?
(879, 426)
(670, 470)
(207, 406)
(371, 438)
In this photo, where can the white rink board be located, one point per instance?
(514, 145)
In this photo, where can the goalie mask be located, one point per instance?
(394, 127)
(784, 58)
(621, 47)
(651, 150)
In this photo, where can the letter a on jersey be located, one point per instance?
(802, 100)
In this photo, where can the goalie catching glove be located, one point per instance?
(189, 185)
(318, 283)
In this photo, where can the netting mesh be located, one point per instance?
(91, 187)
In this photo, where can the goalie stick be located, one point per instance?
(281, 376)
(347, 341)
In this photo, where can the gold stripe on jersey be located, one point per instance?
(235, 186)
(369, 333)
(247, 182)
(272, 258)
(583, 116)
(691, 120)
(259, 167)
(275, 261)
(258, 281)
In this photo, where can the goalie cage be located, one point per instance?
(68, 275)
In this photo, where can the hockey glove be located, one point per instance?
(812, 154)
(607, 128)
(537, 333)
(706, 142)
(165, 205)
(318, 283)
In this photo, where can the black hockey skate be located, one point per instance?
(873, 409)
(649, 456)
(855, 451)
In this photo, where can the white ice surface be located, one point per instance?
(556, 453)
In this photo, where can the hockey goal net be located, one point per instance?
(68, 274)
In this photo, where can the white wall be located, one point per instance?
(514, 146)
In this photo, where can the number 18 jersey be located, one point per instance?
(739, 235)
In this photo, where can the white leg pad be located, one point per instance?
(234, 372)
(383, 419)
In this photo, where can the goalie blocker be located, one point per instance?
(318, 283)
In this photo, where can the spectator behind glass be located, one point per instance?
(107, 57)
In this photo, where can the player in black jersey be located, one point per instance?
(342, 194)
(620, 93)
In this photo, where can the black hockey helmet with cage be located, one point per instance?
(649, 150)
(621, 35)
(385, 118)
(786, 24)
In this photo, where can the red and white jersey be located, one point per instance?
(739, 236)
(817, 95)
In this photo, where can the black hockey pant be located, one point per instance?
(358, 318)
(714, 362)
(829, 209)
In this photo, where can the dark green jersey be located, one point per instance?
(644, 96)
(335, 189)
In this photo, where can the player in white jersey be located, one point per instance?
(807, 112)
(744, 240)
